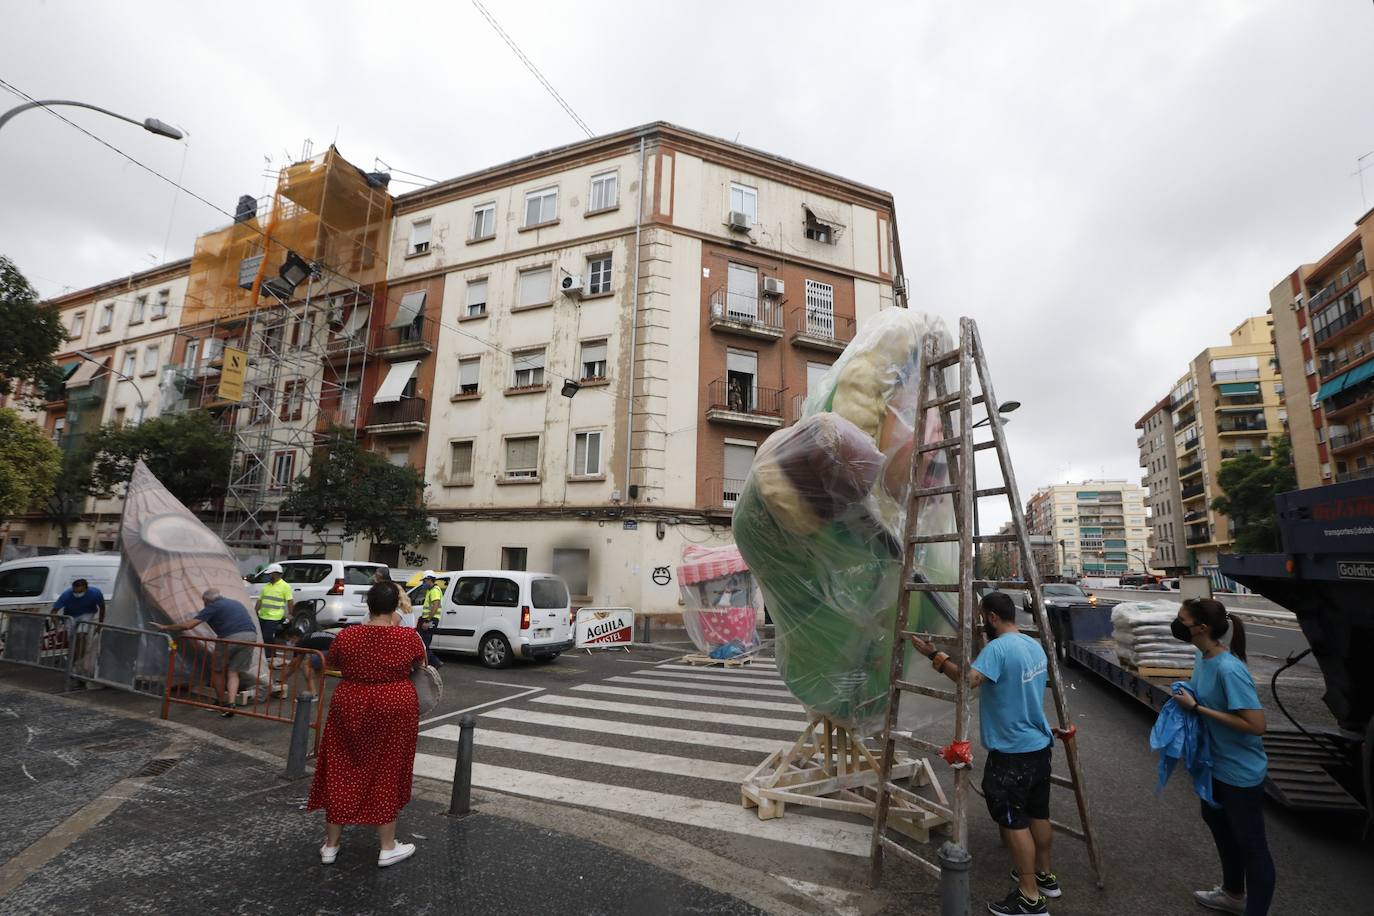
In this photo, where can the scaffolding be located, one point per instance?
(292, 282)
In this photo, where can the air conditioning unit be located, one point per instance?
(738, 221)
(773, 286)
(571, 285)
(335, 316)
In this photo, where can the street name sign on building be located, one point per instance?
(603, 626)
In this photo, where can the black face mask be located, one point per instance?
(1181, 631)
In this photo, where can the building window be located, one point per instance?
(522, 458)
(348, 402)
(477, 298)
(78, 324)
(160, 304)
(454, 558)
(514, 559)
(150, 360)
(293, 399)
(741, 377)
(1278, 388)
(398, 457)
(820, 309)
(460, 462)
(574, 566)
(587, 456)
(603, 195)
(58, 427)
(742, 299)
(541, 207)
(814, 373)
(130, 362)
(535, 287)
(744, 199)
(469, 375)
(483, 221)
(119, 417)
(599, 275)
(593, 360)
(140, 306)
(739, 457)
(528, 368)
(300, 332)
(419, 236)
(106, 317)
(264, 397)
(283, 469)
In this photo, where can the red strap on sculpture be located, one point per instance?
(1065, 734)
(958, 753)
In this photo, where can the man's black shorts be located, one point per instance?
(1017, 787)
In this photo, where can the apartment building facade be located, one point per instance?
(1163, 499)
(1096, 528)
(1297, 355)
(122, 337)
(616, 326)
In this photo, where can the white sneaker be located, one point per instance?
(1218, 899)
(398, 853)
(328, 854)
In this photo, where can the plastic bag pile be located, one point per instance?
(1143, 639)
(821, 517)
(721, 604)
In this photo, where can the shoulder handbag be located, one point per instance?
(429, 687)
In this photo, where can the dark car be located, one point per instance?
(1063, 595)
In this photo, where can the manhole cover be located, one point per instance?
(157, 766)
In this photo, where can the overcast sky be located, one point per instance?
(1107, 187)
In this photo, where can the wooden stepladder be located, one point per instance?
(956, 406)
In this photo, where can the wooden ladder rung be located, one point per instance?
(944, 360)
(912, 798)
(899, 849)
(935, 639)
(921, 492)
(949, 536)
(932, 587)
(999, 583)
(935, 693)
(991, 491)
(1056, 779)
(916, 744)
(950, 399)
(939, 444)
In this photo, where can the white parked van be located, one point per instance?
(38, 581)
(501, 615)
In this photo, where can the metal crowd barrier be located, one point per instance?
(125, 658)
(35, 637)
(195, 676)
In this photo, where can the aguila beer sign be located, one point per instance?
(604, 626)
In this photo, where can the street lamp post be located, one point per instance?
(152, 125)
(142, 402)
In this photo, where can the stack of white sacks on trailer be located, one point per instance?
(1142, 635)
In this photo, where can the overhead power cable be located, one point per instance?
(529, 65)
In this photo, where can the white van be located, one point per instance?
(499, 615)
(38, 581)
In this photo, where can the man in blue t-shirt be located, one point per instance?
(231, 621)
(1012, 671)
(81, 601)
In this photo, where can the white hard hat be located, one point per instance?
(273, 568)
(430, 574)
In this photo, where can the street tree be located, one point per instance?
(29, 464)
(187, 452)
(1250, 483)
(33, 334)
(360, 492)
(66, 501)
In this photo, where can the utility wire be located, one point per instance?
(529, 65)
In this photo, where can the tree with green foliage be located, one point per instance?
(187, 452)
(1250, 483)
(33, 334)
(66, 501)
(360, 492)
(29, 464)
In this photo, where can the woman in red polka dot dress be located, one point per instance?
(364, 769)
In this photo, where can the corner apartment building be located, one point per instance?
(1159, 458)
(584, 347)
(1297, 356)
(122, 336)
(1097, 528)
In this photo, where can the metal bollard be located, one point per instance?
(461, 802)
(954, 866)
(300, 736)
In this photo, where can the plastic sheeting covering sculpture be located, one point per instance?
(721, 603)
(822, 514)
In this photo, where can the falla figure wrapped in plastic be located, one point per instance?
(821, 517)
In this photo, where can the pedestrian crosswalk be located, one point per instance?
(671, 742)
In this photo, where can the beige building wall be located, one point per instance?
(1293, 347)
(1159, 458)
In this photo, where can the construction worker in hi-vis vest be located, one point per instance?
(429, 615)
(273, 603)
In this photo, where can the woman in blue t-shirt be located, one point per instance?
(1230, 710)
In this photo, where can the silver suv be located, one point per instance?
(326, 593)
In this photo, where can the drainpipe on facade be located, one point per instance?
(634, 323)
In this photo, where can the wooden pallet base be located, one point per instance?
(707, 661)
(1181, 674)
(827, 767)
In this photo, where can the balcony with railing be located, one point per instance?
(1357, 396)
(408, 341)
(1336, 287)
(343, 348)
(1263, 451)
(1187, 445)
(1234, 425)
(722, 493)
(1197, 534)
(822, 330)
(744, 405)
(1189, 470)
(1192, 491)
(1355, 474)
(1354, 435)
(1333, 363)
(745, 315)
(1225, 376)
(1336, 320)
(402, 417)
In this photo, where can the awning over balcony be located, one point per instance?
(824, 217)
(85, 372)
(410, 306)
(1231, 389)
(1345, 380)
(395, 382)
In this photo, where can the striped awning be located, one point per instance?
(1345, 380)
(1230, 389)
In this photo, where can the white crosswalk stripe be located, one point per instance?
(671, 743)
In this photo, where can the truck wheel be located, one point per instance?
(304, 621)
(494, 651)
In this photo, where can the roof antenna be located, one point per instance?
(1359, 172)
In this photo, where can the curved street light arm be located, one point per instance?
(152, 125)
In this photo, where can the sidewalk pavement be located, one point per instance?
(104, 813)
